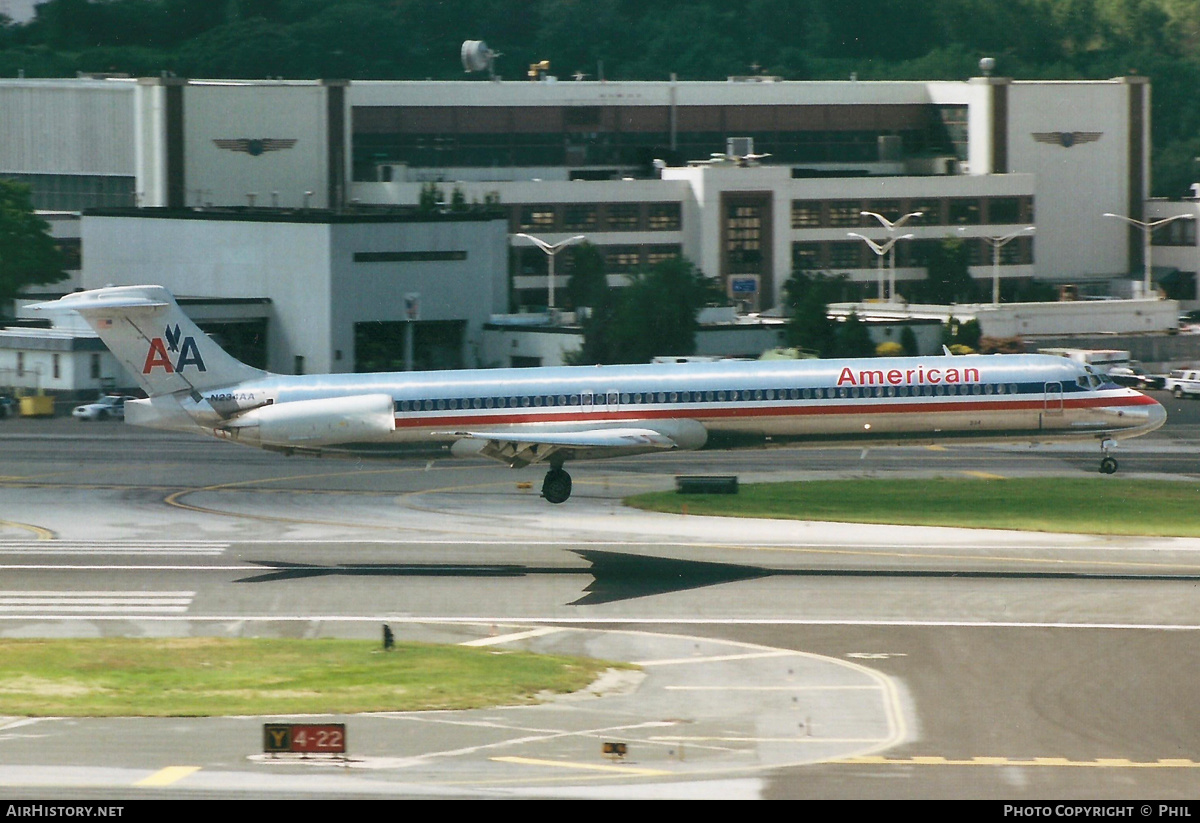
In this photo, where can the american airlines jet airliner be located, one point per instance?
(551, 415)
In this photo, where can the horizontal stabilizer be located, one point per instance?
(98, 300)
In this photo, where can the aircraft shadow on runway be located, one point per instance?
(617, 576)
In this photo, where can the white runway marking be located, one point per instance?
(185, 547)
(95, 602)
(512, 638)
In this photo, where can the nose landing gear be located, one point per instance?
(556, 488)
(1108, 463)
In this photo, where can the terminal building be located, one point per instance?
(205, 185)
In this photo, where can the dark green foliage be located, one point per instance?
(962, 333)
(852, 338)
(28, 256)
(948, 279)
(654, 316)
(588, 284)
(808, 297)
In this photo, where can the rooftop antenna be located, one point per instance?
(476, 56)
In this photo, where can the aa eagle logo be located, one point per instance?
(256, 146)
(1066, 139)
(185, 349)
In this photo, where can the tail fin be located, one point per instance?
(161, 347)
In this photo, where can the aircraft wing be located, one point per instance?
(520, 448)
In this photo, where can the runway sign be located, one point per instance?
(304, 738)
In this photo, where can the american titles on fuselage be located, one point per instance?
(896, 377)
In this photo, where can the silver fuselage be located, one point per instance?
(873, 400)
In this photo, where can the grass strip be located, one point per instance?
(198, 677)
(1099, 505)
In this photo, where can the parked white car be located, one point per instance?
(110, 406)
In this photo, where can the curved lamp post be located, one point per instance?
(881, 250)
(891, 227)
(997, 242)
(1147, 228)
(551, 250)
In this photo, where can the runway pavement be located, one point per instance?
(779, 659)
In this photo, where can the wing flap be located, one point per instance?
(523, 447)
(591, 439)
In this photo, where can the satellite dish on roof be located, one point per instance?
(476, 56)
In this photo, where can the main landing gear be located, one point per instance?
(1108, 463)
(557, 486)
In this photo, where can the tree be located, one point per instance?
(948, 279)
(431, 198)
(655, 315)
(28, 256)
(961, 336)
(853, 339)
(808, 297)
(588, 283)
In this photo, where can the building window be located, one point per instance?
(580, 217)
(743, 238)
(806, 256)
(1175, 233)
(979, 251)
(664, 217)
(844, 213)
(71, 249)
(407, 256)
(931, 211)
(845, 255)
(919, 252)
(806, 214)
(1017, 253)
(94, 367)
(537, 217)
(964, 212)
(954, 122)
(56, 365)
(1004, 210)
(621, 259)
(20, 364)
(660, 254)
(623, 216)
(889, 209)
(582, 116)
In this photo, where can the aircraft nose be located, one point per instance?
(1158, 416)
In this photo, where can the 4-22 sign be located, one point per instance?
(304, 738)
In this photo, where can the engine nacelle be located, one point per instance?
(325, 422)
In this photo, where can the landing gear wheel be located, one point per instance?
(1108, 465)
(557, 486)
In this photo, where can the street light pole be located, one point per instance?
(551, 250)
(891, 230)
(997, 242)
(1147, 228)
(881, 250)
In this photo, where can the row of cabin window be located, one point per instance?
(637, 398)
